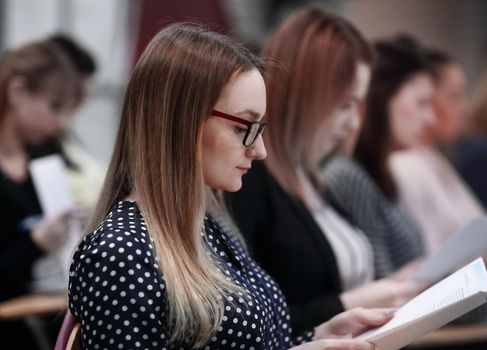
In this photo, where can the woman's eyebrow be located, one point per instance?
(249, 113)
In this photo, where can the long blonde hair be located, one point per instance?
(320, 52)
(157, 157)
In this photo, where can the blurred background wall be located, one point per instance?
(116, 31)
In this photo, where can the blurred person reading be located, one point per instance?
(38, 93)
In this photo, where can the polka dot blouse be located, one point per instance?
(118, 293)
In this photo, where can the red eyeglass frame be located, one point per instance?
(248, 123)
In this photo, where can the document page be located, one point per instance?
(450, 298)
(467, 244)
(49, 177)
(51, 272)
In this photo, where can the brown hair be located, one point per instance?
(320, 53)
(44, 68)
(157, 157)
(437, 61)
(395, 65)
(477, 124)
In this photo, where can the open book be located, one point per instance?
(447, 300)
(467, 244)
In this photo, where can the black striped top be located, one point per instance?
(395, 237)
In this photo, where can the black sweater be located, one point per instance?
(286, 241)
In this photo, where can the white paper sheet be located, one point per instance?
(447, 300)
(51, 272)
(467, 244)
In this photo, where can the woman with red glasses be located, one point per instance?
(162, 267)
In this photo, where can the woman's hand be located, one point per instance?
(386, 292)
(336, 333)
(50, 234)
(335, 344)
(352, 322)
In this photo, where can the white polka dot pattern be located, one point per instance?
(117, 291)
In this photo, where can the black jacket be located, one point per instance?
(284, 239)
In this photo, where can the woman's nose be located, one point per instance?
(257, 150)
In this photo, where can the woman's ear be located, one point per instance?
(16, 90)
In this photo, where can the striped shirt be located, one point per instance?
(395, 237)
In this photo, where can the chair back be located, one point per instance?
(69, 337)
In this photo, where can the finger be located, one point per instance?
(357, 320)
(374, 317)
(328, 344)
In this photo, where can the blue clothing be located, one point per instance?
(118, 292)
(471, 162)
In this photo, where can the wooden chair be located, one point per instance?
(74, 340)
(69, 337)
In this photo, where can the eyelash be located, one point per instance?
(240, 130)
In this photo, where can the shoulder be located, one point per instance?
(412, 163)
(115, 281)
(119, 251)
(344, 175)
(123, 229)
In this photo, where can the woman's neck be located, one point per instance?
(130, 197)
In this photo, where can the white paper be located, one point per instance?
(49, 177)
(447, 300)
(51, 272)
(467, 244)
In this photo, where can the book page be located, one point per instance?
(467, 244)
(463, 284)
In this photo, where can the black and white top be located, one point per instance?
(395, 237)
(117, 291)
(351, 247)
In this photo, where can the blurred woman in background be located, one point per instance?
(427, 184)
(318, 253)
(471, 154)
(398, 110)
(38, 91)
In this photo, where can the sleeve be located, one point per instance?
(119, 295)
(354, 191)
